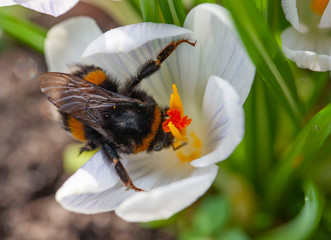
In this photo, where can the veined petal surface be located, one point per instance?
(91, 190)
(122, 51)
(93, 178)
(221, 52)
(224, 121)
(163, 202)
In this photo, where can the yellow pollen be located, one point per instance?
(189, 157)
(197, 143)
(191, 151)
(319, 6)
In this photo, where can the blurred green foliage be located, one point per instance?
(22, 30)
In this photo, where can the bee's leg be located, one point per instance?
(89, 146)
(112, 156)
(152, 66)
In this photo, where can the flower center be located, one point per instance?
(176, 124)
(192, 150)
(319, 6)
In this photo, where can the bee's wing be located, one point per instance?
(80, 98)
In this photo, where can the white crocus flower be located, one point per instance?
(51, 7)
(308, 42)
(213, 80)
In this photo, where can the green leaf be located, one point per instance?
(150, 10)
(161, 223)
(307, 143)
(326, 218)
(191, 235)
(261, 4)
(136, 5)
(264, 51)
(261, 114)
(180, 10)
(305, 223)
(123, 12)
(197, 2)
(211, 215)
(166, 11)
(276, 17)
(23, 30)
(177, 11)
(233, 234)
(321, 81)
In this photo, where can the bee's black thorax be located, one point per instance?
(130, 128)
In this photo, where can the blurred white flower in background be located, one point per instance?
(308, 41)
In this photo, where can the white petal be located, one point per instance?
(123, 50)
(326, 17)
(152, 170)
(224, 120)
(95, 202)
(4, 3)
(221, 53)
(66, 42)
(52, 7)
(94, 176)
(97, 188)
(87, 184)
(310, 50)
(291, 12)
(182, 69)
(131, 37)
(163, 202)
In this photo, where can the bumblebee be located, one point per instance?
(95, 109)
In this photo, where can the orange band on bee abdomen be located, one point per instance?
(96, 77)
(154, 128)
(76, 128)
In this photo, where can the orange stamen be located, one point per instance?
(176, 123)
(319, 6)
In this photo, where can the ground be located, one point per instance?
(31, 147)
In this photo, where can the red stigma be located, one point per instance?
(175, 118)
